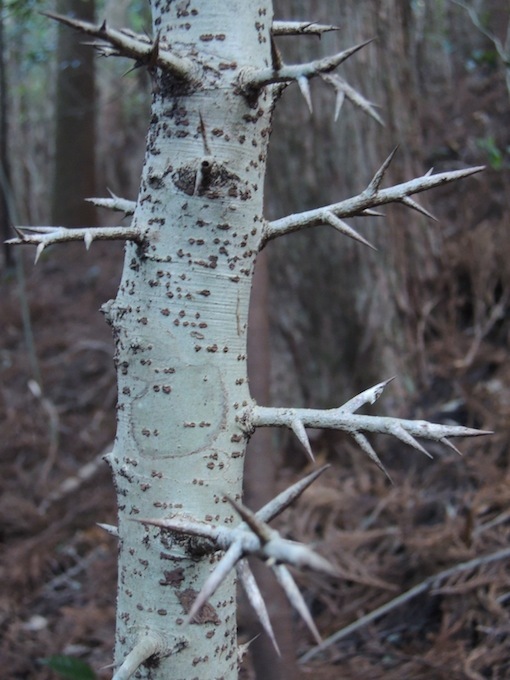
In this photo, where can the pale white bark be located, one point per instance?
(301, 28)
(47, 236)
(128, 44)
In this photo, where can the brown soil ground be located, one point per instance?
(57, 570)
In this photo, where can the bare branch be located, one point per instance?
(371, 197)
(146, 647)
(355, 424)
(301, 28)
(114, 203)
(503, 53)
(401, 599)
(46, 236)
(128, 44)
(253, 536)
(254, 79)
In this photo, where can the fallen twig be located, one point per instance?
(422, 587)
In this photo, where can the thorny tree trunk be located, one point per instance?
(185, 412)
(180, 321)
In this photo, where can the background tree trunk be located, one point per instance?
(371, 329)
(5, 218)
(75, 127)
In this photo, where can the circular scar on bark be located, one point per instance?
(194, 423)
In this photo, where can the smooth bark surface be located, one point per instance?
(180, 321)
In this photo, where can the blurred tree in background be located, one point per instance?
(74, 176)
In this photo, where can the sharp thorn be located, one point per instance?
(256, 600)
(137, 65)
(448, 443)
(339, 58)
(400, 433)
(243, 648)
(182, 526)
(154, 53)
(227, 562)
(365, 445)
(300, 431)
(259, 528)
(276, 57)
(340, 98)
(374, 185)
(276, 506)
(109, 528)
(88, 238)
(343, 89)
(368, 396)
(38, 251)
(282, 551)
(295, 598)
(345, 229)
(416, 206)
(304, 86)
(203, 133)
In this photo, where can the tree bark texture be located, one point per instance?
(180, 323)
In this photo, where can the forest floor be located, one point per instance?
(440, 528)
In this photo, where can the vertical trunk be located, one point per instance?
(75, 123)
(372, 327)
(5, 230)
(180, 323)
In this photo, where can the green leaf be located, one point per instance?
(69, 667)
